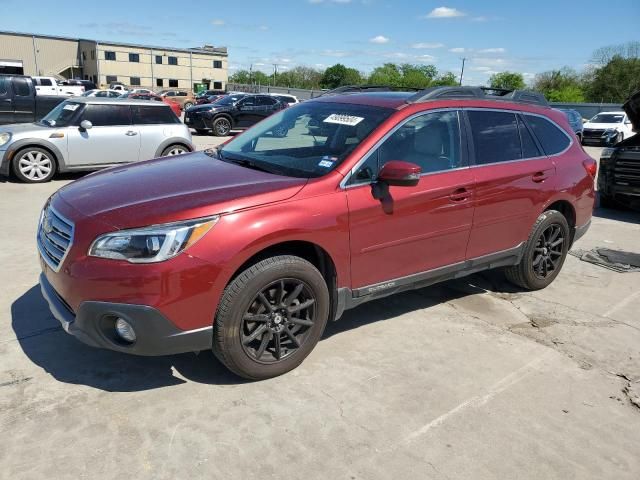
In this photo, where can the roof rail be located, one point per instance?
(485, 93)
(367, 88)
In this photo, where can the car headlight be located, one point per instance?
(4, 138)
(151, 244)
(610, 131)
(606, 153)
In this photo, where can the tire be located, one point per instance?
(202, 131)
(221, 127)
(543, 258)
(175, 149)
(34, 165)
(254, 328)
(187, 105)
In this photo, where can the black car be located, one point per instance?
(209, 93)
(232, 112)
(619, 171)
(575, 120)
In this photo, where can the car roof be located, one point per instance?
(620, 112)
(379, 99)
(114, 101)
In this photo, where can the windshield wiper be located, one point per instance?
(245, 163)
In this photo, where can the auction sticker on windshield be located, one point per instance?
(71, 106)
(343, 119)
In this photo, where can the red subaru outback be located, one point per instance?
(251, 248)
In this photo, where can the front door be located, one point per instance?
(248, 112)
(6, 102)
(409, 230)
(513, 178)
(111, 139)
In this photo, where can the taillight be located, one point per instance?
(591, 167)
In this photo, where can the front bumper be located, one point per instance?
(196, 121)
(580, 231)
(93, 324)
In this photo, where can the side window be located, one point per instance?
(495, 136)
(248, 102)
(21, 87)
(263, 100)
(107, 115)
(552, 138)
(153, 115)
(431, 141)
(45, 82)
(529, 147)
(4, 81)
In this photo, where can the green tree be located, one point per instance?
(568, 93)
(388, 74)
(339, 75)
(564, 85)
(250, 78)
(447, 79)
(508, 80)
(615, 81)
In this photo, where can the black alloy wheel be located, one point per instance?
(278, 320)
(548, 251)
(221, 127)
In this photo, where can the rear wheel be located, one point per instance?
(34, 165)
(221, 127)
(270, 317)
(544, 253)
(174, 150)
(187, 105)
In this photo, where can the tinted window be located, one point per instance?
(109, 55)
(173, 83)
(112, 78)
(134, 57)
(529, 147)
(173, 60)
(495, 136)
(431, 141)
(153, 115)
(266, 101)
(159, 59)
(217, 64)
(159, 82)
(553, 139)
(45, 82)
(107, 115)
(217, 85)
(4, 81)
(134, 80)
(21, 87)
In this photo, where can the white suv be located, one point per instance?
(607, 128)
(87, 133)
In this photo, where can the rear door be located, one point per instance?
(112, 139)
(154, 123)
(23, 100)
(45, 86)
(513, 178)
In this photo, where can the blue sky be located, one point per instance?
(494, 36)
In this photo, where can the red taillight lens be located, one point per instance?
(591, 167)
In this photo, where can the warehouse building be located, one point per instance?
(106, 62)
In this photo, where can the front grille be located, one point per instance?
(592, 133)
(55, 235)
(626, 172)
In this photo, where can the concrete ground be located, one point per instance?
(471, 379)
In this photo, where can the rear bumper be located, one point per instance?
(93, 324)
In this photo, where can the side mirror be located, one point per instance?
(400, 174)
(85, 125)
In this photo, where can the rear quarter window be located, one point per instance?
(495, 136)
(153, 115)
(552, 138)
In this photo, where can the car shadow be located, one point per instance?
(67, 360)
(621, 214)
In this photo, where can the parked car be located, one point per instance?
(286, 98)
(175, 106)
(184, 98)
(251, 248)
(575, 120)
(91, 133)
(19, 102)
(102, 93)
(607, 128)
(619, 170)
(51, 86)
(208, 93)
(87, 84)
(232, 112)
(208, 99)
(118, 86)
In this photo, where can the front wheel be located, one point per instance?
(270, 317)
(544, 253)
(34, 165)
(187, 105)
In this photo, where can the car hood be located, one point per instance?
(174, 188)
(632, 108)
(602, 126)
(29, 128)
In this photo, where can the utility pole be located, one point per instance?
(275, 73)
(250, 74)
(462, 71)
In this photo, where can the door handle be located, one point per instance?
(7, 100)
(539, 177)
(131, 133)
(459, 195)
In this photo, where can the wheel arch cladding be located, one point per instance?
(51, 149)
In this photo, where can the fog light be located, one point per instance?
(125, 331)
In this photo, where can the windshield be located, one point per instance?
(61, 115)
(229, 99)
(87, 93)
(307, 140)
(607, 118)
